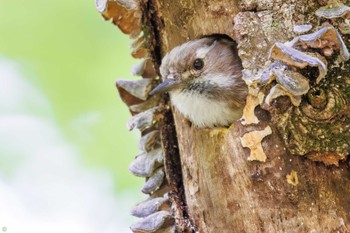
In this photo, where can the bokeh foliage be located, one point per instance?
(74, 56)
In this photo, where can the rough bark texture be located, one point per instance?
(216, 184)
(224, 191)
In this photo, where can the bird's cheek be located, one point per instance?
(186, 74)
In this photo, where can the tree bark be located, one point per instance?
(224, 191)
(226, 188)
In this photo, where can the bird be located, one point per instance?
(204, 80)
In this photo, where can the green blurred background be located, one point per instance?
(68, 51)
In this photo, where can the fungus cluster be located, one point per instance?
(305, 88)
(155, 212)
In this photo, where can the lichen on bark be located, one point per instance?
(315, 122)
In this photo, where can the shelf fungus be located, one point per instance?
(146, 119)
(139, 47)
(156, 222)
(149, 141)
(146, 163)
(125, 14)
(297, 59)
(289, 83)
(146, 114)
(326, 39)
(302, 28)
(333, 10)
(137, 88)
(314, 119)
(150, 206)
(154, 181)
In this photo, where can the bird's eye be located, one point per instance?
(198, 64)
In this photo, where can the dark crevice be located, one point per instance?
(174, 171)
(152, 29)
(152, 26)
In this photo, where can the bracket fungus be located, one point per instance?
(154, 222)
(149, 141)
(147, 112)
(146, 119)
(150, 206)
(316, 121)
(295, 58)
(302, 28)
(333, 10)
(327, 39)
(138, 88)
(125, 14)
(146, 163)
(154, 181)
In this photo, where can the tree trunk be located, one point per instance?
(292, 173)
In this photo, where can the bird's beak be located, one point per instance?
(165, 86)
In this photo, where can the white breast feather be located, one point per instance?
(202, 111)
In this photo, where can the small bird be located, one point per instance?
(204, 80)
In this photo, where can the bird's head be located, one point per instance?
(205, 60)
